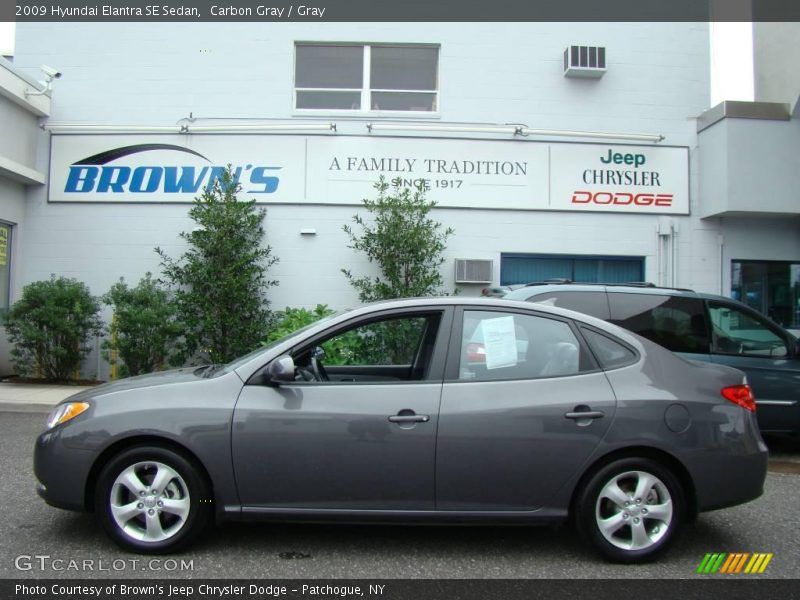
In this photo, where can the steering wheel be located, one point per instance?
(317, 354)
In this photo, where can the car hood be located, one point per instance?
(140, 381)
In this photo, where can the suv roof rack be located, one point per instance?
(555, 280)
(639, 284)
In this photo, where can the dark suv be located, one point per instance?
(700, 327)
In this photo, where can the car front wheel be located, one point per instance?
(630, 509)
(152, 500)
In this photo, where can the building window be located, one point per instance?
(5, 268)
(366, 77)
(770, 287)
(527, 268)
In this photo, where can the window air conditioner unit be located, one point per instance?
(470, 270)
(584, 61)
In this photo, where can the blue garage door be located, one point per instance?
(526, 268)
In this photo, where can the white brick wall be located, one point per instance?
(117, 73)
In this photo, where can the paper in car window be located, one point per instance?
(500, 342)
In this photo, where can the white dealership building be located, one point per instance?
(584, 151)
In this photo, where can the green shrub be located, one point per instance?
(402, 239)
(220, 281)
(292, 319)
(50, 327)
(144, 329)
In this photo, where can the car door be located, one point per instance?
(523, 407)
(744, 339)
(362, 437)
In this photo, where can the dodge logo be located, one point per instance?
(621, 198)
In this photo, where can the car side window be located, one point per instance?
(588, 303)
(676, 322)
(399, 348)
(500, 345)
(610, 353)
(736, 331)
(390, 342)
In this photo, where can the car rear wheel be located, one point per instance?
(152, 500)
(630, 509)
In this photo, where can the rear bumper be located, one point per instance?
(733, 472)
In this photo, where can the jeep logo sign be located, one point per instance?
(341, 170)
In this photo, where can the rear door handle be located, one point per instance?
(409, 418)
(588, 414)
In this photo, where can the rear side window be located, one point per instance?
(588, 303)
(610, 353)
(500, 345)
(675, 322)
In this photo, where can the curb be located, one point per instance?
(25, 408)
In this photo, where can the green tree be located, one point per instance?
(50, 327)
(403, 240)
(220, 282)
(144, 329)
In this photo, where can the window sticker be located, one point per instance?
(500, 342)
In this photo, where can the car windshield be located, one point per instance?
(235, 364)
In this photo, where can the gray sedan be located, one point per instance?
(428, 410)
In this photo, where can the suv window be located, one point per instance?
(588, 303)
(736, 331)
(678, 323)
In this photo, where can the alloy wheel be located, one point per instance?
(149, 501)
(634, 510)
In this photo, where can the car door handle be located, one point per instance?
(586, 414)
(409, 418)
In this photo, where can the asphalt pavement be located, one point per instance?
(37, 541)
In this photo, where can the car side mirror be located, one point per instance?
(281, 369)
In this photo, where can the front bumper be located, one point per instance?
(61, 472)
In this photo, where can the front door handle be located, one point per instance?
(408, 416)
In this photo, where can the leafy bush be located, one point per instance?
(144, 327)
(292, 319)
(220, 281)
(404, 241)
(50, 327)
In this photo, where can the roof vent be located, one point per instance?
(584, 61)
(470, 270)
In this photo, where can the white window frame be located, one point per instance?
(365, 90)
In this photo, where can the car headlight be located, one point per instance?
(64, 412)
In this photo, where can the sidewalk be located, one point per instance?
(34, 397)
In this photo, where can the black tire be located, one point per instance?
(180, 510)
(654, 528)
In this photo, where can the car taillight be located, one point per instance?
(476, 352)
(741, 395)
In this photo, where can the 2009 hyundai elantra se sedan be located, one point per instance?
(429, 410)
